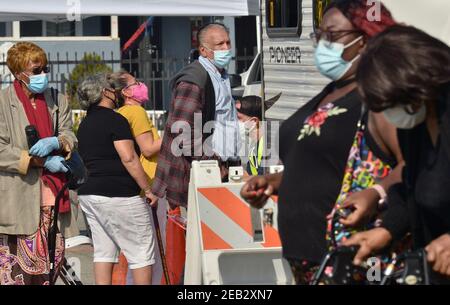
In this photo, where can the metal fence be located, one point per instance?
(61, 66)
(158, 118)
(150, 67)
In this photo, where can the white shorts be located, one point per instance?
(120, 223)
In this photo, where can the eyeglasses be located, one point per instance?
(136, 83)
(329, 36)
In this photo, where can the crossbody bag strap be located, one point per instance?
(54, 94)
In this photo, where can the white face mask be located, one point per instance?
(402, 119)
(247, 141)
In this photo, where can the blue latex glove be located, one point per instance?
(44, 147)
(55, 164)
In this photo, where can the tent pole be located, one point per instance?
(261, 63)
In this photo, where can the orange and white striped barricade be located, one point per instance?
(227, 241)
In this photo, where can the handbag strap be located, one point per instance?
(54, 94)
(354, 158)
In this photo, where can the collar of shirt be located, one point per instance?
(211, 68)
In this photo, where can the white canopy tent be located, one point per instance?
(431, 16)
(54, 10)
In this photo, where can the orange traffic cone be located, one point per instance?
(119, 276)
(175, 248)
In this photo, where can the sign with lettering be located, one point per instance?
(285, 55)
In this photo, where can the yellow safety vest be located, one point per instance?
(255, 162)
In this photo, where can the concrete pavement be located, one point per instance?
(81, 257)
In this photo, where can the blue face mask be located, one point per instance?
(222, 58)
(329, 61)
(38, 83)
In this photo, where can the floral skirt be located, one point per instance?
(24, 259)
(303, 271)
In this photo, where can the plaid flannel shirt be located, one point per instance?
(173, 171)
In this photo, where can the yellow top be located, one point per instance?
(140, 123)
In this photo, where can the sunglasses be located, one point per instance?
(39, 70)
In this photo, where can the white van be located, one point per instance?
(250, 80)
(288, 61)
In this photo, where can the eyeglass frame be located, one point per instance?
(316, 35)
(136, 83)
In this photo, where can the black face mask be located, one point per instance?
(115, 101)
(120, 101)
